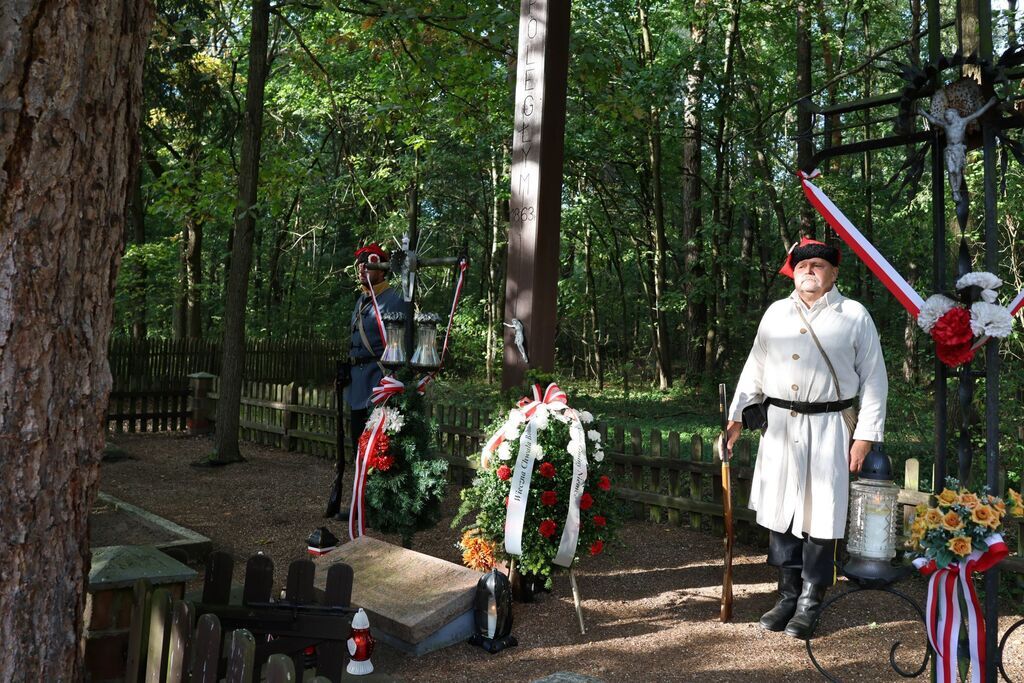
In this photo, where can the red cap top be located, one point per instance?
(372, 253)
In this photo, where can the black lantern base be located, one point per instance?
(493, 645)
(874, 573)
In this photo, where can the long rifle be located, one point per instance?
(726, 614)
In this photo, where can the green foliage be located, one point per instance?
(405, 496)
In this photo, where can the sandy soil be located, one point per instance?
(651, 603)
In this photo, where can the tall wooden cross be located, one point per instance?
(531, 284)
(975, 54)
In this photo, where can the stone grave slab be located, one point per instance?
(416, 603)
(114, 522)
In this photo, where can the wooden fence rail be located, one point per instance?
(673, 478)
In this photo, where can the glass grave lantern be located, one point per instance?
(871, 537)
(394, 349)
(425, 356)
(492, 613)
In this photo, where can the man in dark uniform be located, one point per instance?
(365, 349)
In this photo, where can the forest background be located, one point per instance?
(679, 197)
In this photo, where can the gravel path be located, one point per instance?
(650, 603)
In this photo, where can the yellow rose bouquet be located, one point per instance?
(958, 536)
(961, 522)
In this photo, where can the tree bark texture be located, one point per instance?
(237, 291)
(70, 95)
(696, 309)
(804, 144)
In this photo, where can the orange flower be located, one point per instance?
(983, 515)
(933, 518)
(477, 552)
(1018, 503)
(947, 497)
(952, 521)
(969, 500)
(960, 545)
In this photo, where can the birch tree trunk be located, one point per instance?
(70, 93)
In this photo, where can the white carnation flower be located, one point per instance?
(504, 452)
(991, 319)
(598, 456)
(585, 417)
(536, 451)
(576, 449)
(988, 296)
(515, 417)
(980, 279)
(395, 422)
(934, 308)
(540, 420)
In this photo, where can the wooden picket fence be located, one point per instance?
(673, 478)
(156, 409)
(260, 639)
(144, 363)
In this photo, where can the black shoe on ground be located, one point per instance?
(808, 606)
(777, 617)
(341, 516)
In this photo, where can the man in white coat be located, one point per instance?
(801, 480)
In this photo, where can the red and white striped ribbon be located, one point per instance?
(463, 266)
(357, 509)
(866, 251)
(942, 611)
(376, 312)
(552, 396)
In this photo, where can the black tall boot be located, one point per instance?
(777, 617)
(808, 605)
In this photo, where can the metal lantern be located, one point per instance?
(394, 351)
(871, 539)
(492, 613)
(425, 356)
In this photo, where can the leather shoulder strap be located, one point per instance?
(835, 378)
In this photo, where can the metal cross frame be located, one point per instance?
(923, 82)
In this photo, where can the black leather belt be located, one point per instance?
(356, 362)
(812, 408)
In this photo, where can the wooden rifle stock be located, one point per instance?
(726, 613)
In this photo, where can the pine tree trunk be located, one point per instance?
(70, 98)
(696, 309)
(237, 291)
(659, 319)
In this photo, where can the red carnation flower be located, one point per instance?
(586, 501)
(381, 445)
(604, 483)
(547, 528)
(383, 463)
(954, 355)
(548, 498)
(954, 327)
(596, 547)
(504, 473)
(547, 470)
(600, 521)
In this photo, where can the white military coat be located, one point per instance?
(802, 472)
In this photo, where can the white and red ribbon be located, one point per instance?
(528, 410)
(376, 313)
(388, 387)
(942, 610)
(463, 266)
(866, 251)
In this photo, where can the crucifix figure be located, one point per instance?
(955, 128)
